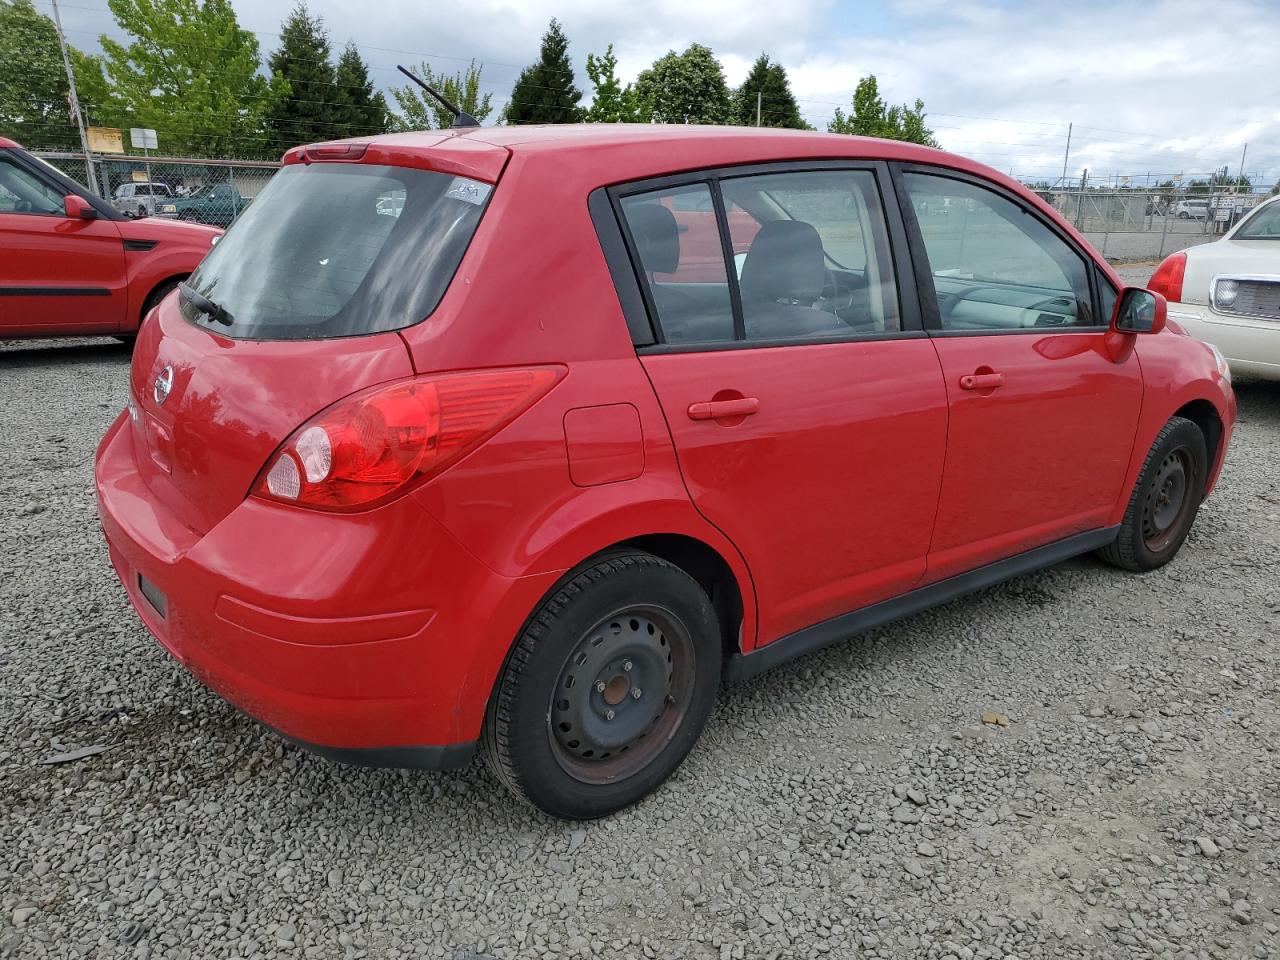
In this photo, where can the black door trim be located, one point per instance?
(54, 292)
(744, 665)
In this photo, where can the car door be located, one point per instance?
(809, 423)
(1042, 419)
(58, 275)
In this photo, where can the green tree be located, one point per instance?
(768, 87)
(1219, 181)
(33, 81)
(420, 111)
(612, 102)
(687, 87)
(358, 110)
(191, 73)
(872, 118)
(305, 77)
(545, 91)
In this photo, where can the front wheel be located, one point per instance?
(1165, 499)
(607, 689)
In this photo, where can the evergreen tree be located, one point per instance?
(421, 111)
(872, 118)
(304, 114)
(768, 87)
(545, 92)
(612, 102)
(687, 87)
(358, 110)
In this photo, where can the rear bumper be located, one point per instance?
(370, 638)
(1252, 347)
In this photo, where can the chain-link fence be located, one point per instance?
(1137, 225)
(206, 191)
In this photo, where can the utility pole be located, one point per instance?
(90, 178)
(1240, 178)
(1066, 155)
(758, 92)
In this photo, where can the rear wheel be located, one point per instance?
(153, 300)
(1165, 499)
(607, 688)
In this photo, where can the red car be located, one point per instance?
(73, 265)
(424, 458)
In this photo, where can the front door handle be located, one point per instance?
(724, 409)
(982, 381)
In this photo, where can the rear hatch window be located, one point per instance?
(338, 250)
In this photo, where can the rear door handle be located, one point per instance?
(723, 409)
(982, 381)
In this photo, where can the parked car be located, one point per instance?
(217, 204)
(478, 475)
(1191, 209)
(1227, 293)
(71, 264)
(140, 199)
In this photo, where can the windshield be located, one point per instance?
(339, 250)
(1263, 225)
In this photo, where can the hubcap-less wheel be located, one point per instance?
(621, 694)
(1167, 501)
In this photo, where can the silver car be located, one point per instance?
(140, 199)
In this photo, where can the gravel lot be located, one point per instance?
(852, 804)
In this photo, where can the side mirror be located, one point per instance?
(1139, 311)
(78, 208)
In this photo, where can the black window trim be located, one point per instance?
(924, 273)
(621, 257)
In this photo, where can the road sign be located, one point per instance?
(142, 138)
(105, 140)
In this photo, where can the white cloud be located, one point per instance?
(1159, 85)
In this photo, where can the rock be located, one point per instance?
(770, 915)
(926, 849)
(993, 719)
(916, 797)
(862, 828)
(1207, 847)
(1242, 912)
(1062, 871)
(905, 814)
(23, 914)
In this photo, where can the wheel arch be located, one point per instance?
(146, 300)
(1205, 416)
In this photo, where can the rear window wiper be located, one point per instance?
(205, 305)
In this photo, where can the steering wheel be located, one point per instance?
(835, 298)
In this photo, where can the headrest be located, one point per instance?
(785, 262)
(657, 237)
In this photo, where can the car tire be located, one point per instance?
(1165, 499)
(1184, 216)
(607, 687)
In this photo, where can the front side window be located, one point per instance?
(810, 258)
(20, 192)
(996, 266)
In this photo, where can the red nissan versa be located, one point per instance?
(433, 451)
(73, 265)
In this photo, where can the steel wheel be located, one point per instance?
(1168, 501)
(621, 694)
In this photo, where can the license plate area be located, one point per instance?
(153, 596)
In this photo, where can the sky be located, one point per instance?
(1158, 87)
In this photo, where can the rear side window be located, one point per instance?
(809, 258)
(677, 240)
(339, 250)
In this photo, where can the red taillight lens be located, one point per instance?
(1167, 279)
(380, 441)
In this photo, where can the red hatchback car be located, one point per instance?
(71, 264)
(443, 445)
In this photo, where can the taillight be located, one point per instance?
(1167, 279)
(381, 441)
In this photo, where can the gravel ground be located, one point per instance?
(853, 804)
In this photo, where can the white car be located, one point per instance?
(1227, 293)
(1191, 209)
